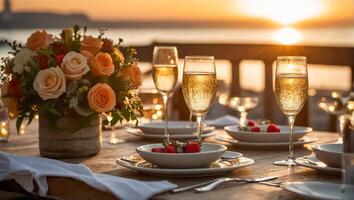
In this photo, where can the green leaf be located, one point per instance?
(19, 123)
(54, 111)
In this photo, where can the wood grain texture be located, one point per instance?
(104, 162)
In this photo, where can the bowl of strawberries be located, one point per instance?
(265, 132)
(179, 155)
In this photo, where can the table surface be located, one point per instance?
(105, 162)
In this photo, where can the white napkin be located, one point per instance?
(223, 121)
(26, 170)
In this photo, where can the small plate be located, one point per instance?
(208, 154)
(174, 128)
(138, 132)
(313, 163)
(216, 168)
(331, 154)
(272, 145)
(315, 190)
(265, 137)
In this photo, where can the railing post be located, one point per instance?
(235, 79)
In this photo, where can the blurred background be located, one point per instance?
(245, 36)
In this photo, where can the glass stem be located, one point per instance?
(165, 104)
(191, 119)
(291, 120)
(243, 118)
(341, 119)
(200, 128)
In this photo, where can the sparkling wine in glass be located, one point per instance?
(291, 92)
(199, 87)
(165, 74)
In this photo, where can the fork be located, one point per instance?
(222, 180)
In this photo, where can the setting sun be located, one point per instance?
(287, 36)
(283, 11)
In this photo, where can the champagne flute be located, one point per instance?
(243, 105)
(291, 92)
(165, 74)
(199, 87)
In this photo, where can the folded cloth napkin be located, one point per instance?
(25, 170)
(223, 121)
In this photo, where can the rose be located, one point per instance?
(101, 98)
(39, 39)
(59, 48)
(22, 58)
(133, 74)
(102, 65)
(42, 61)
(88, 56)
(74, 65)
(14, 88)
(91, 44)
(50, 83)
(107, 45)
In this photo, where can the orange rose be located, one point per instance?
(88, 56)
(91, 44)
(101, 98)
(133, 74)
(102, 65)
(39, 39)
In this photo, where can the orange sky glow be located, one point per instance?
(282, 12)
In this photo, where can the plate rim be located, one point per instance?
(287, 187)
(265, 144)
(192, 171)
(322, 169)
(308, 130)
(155, 136)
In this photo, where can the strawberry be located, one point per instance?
(192, 147)
(273, 128)
(157, 150)
(255, 129)
(251, 123)
(170, 149)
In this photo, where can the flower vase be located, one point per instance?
(60, 141)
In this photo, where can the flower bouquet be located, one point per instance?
(70, 81)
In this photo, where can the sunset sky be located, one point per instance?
(283, 12)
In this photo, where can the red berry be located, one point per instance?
(255, 129)
(192, 147)
(273, 128)
(251, 123)
(170, 149)
(157, 150)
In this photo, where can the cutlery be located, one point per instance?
(222, 180)
(183, 189)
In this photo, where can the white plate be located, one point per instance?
(315, 190)
(273, 145)
(138, 132)
(313, 163)
(216, 168)
(331, 154)
(265, 137)
(174, 128)
(208, 154)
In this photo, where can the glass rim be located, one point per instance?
(165, 47)
(291, 58)
(196, 57)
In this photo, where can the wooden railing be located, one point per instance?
(235, 53)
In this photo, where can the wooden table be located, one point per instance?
(104, 162)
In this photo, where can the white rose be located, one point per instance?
(74, 65)
(21, 60)
(50, 83)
